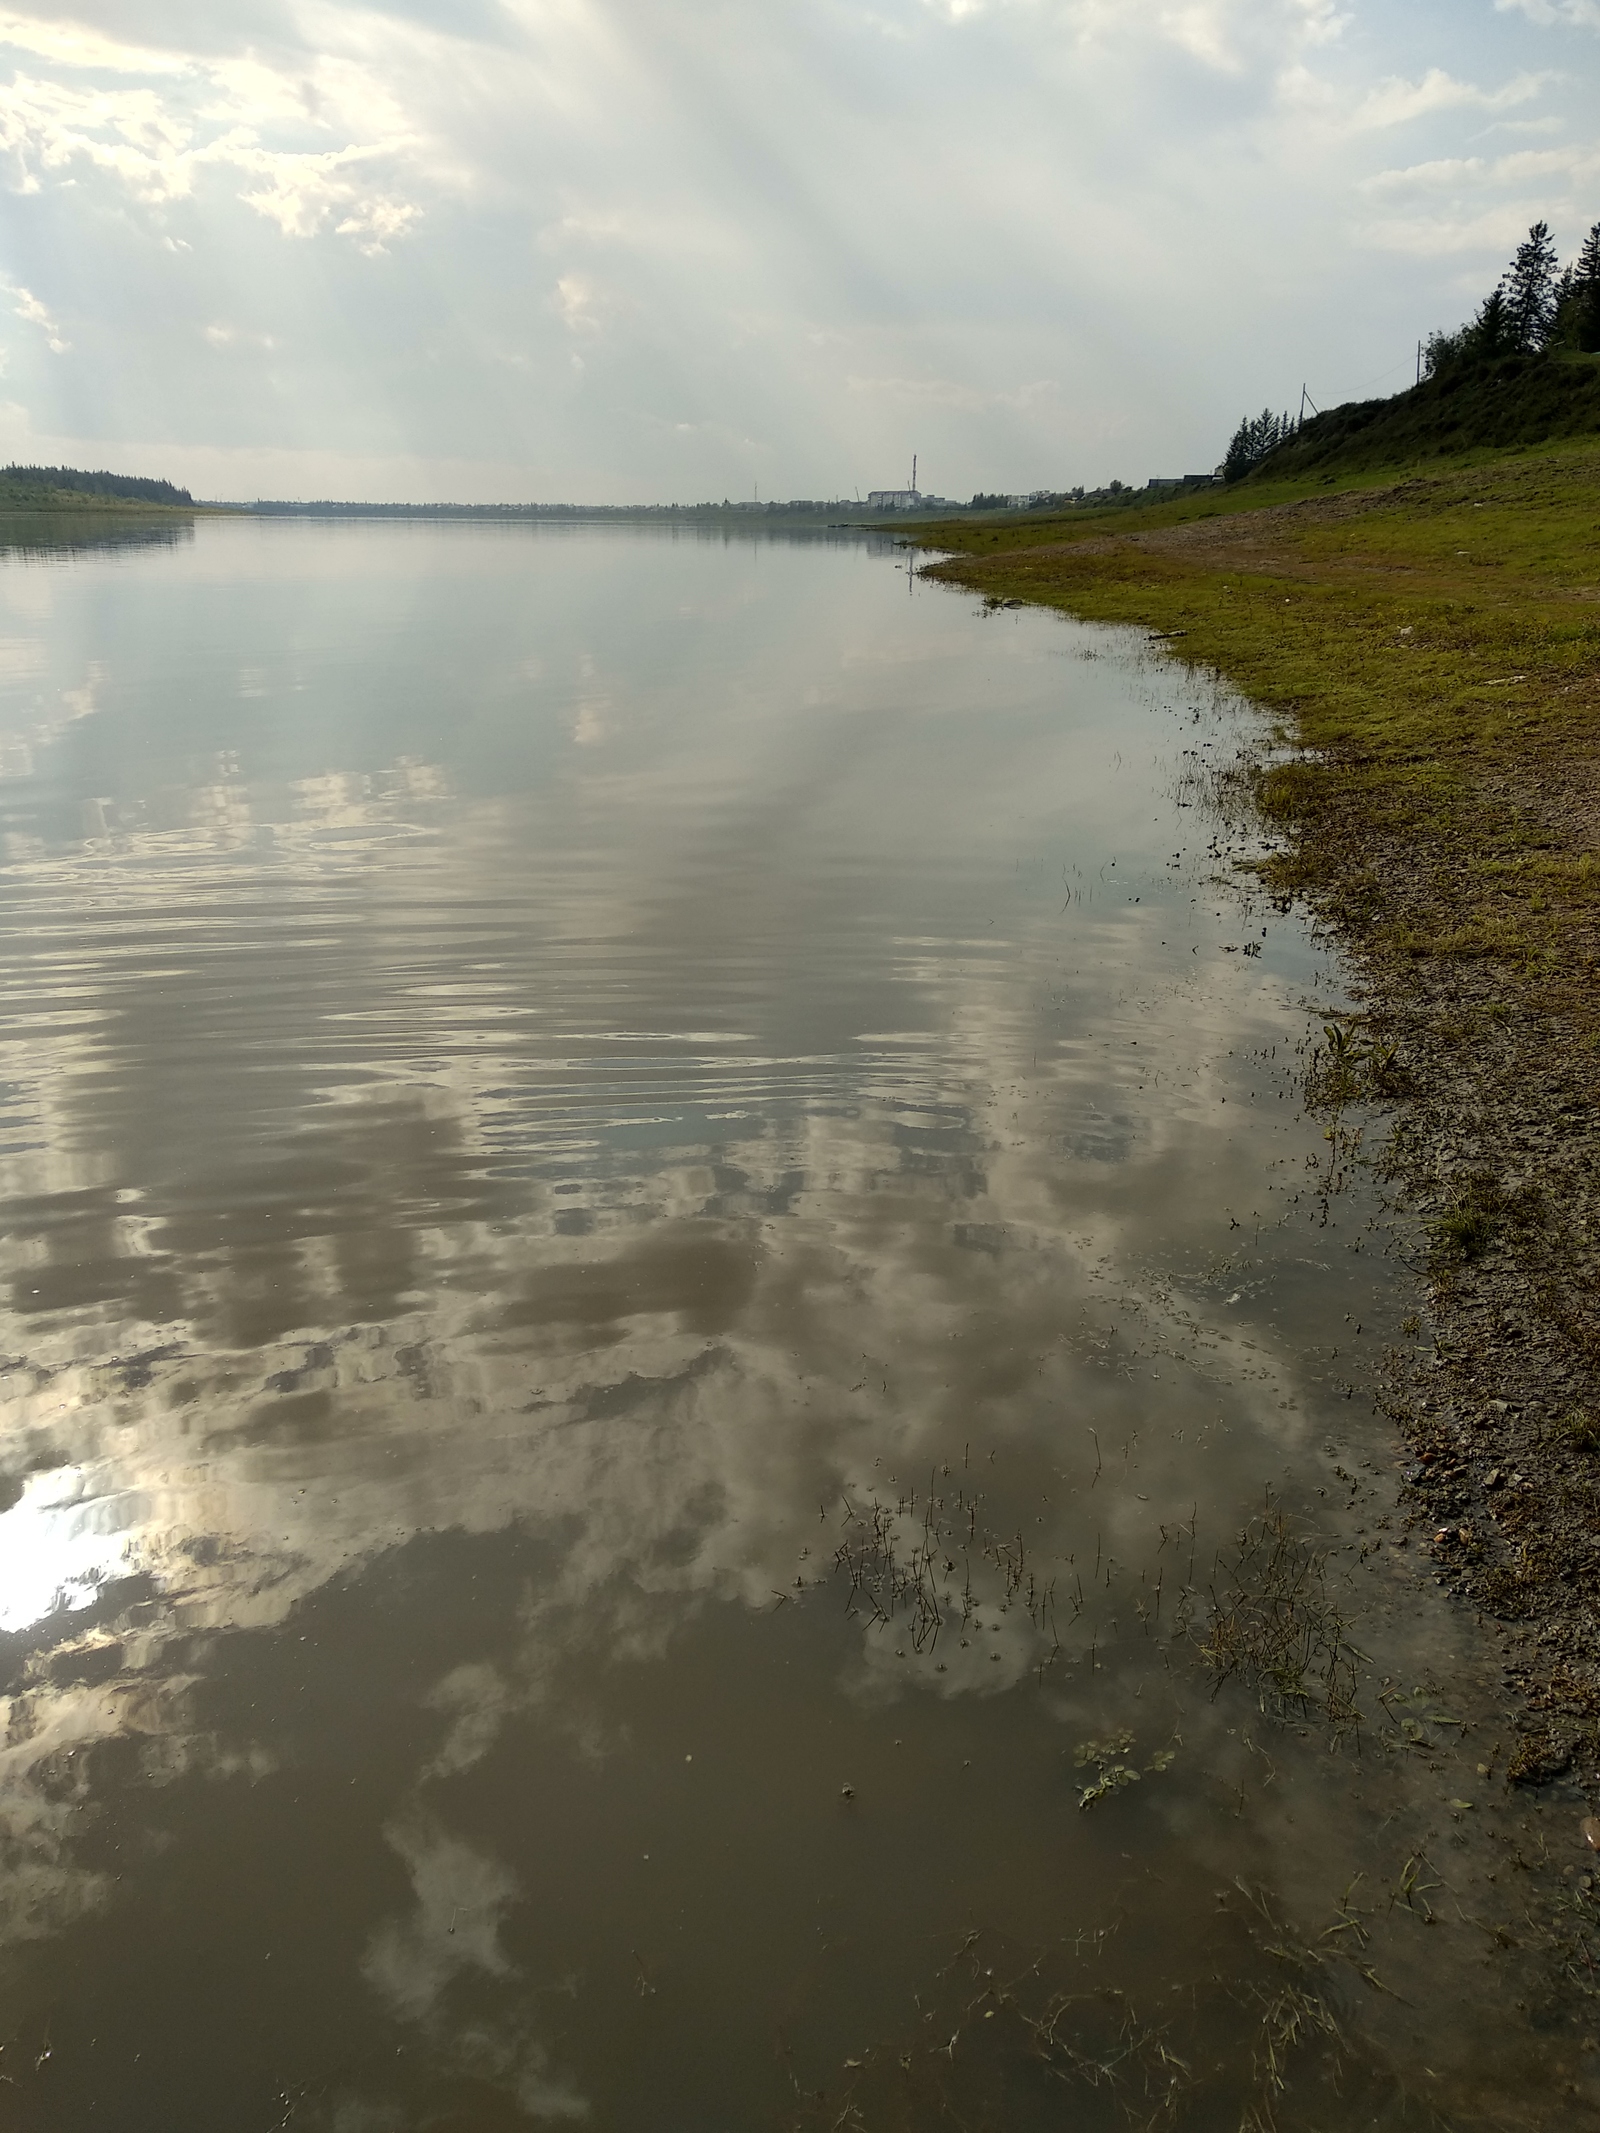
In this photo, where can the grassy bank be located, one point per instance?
(1431, 640)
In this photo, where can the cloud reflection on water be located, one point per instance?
(392, 1158)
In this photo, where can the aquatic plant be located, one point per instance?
(1271, 1623)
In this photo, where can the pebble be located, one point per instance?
(1590, 1826)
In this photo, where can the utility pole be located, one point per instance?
(913, 473)
(1419, 362)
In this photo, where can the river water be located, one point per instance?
(659, 1234)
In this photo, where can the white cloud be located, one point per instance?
(1583, 14)
(74, 44)
(302, 192)
(27, 306)
(577, 300)
(1552, 169)
(1220, 33)
(221, 334)
(1477, 204)
(1395, 102)
(157, 139)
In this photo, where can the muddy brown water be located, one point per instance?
(658, 1230)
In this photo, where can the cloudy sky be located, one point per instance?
(649, 250)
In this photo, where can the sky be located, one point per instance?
(664, 250)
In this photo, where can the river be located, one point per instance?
(660, 1234)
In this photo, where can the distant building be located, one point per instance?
(893, 499)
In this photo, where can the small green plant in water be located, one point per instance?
(1111, 1772)
(1349, 1068)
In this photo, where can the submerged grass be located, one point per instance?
(1272, 1624)
(913, 1564)
(1252, 2032)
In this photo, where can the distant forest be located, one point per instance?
(136, 488)
(1537, 308)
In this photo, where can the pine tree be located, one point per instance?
(1529, 289)
(1491, 333)
(1239, 458)
(1586, 293)
(1255, 437)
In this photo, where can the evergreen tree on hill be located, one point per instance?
(1538, 309)
(1493, 332)
(1534, 308)
(1255, 437)
(1530, 291)
(1586, 294)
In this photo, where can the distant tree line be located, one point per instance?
(1538, 307)
(140, 488)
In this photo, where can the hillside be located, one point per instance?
(1498, 406)
(72, 488)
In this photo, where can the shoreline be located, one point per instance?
(1429, 650)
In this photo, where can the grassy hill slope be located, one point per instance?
(1519, 401)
